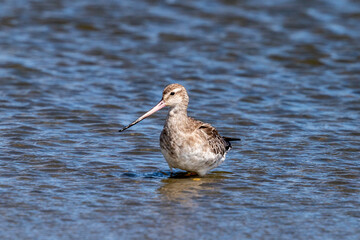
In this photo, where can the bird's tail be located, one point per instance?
(229, 139)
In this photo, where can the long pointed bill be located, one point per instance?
(159, 106)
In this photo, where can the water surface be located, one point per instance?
(281, 75)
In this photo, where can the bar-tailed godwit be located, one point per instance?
(186, 143)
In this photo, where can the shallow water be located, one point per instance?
(281, 75)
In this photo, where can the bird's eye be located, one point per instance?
(172, 93)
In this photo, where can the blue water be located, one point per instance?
(281, 75)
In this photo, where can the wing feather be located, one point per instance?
(217, 143)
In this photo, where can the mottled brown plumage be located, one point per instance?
(186, 143)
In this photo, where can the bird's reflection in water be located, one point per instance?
(185, 190)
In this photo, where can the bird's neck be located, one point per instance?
(178, 111)
(177, 116)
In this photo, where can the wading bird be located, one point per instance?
(186, 143)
